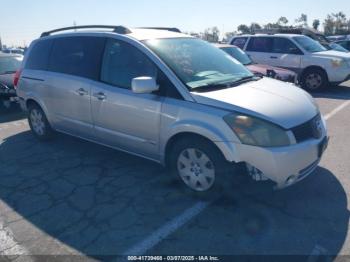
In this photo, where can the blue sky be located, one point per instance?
(21, 21)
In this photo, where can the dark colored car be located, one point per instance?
(9, 64)
(344, 43)
(258, 69)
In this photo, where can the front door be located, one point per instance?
(122, 118)
(285, 54)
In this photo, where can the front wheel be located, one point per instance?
(38, 123)
(314, 80)
(198, 163)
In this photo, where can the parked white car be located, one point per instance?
(316, 66)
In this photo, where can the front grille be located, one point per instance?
(308, 130)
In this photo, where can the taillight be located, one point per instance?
(16, 78)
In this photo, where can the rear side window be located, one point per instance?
(39, 55)
(239, 41)
(285, 46)
(260, 44)
(122, 62)
(79, 56)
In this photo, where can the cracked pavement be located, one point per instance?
(72, 197)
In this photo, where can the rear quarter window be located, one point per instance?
(79, 56)
(39, 55)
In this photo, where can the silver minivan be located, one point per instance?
(173, 99)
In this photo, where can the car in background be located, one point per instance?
(316, 66)
(335, 38)
(335, 47)
(17, 51)
(307, 31)
(258, 69)
(9, 64)
(344, 43)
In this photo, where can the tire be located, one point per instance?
(314, 80)
(39, 124)
(198, 164)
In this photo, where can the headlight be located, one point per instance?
(257, 132)
(337, 62)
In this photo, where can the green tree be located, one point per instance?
(340, 23)
(302, 20)
(253, 27)
(244, 29)
(282, 21)
(316, 24)
(329, 25)
(211, 34)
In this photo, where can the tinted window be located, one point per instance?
(284, 46)
(80, 56)
(39, 55)
(122, 62)
(260, 44)
(239, 41)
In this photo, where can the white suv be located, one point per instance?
(316, 66)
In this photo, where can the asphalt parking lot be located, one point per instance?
(71, 197)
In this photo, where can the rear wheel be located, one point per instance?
(314, 79)
(38, 123)
(198, 163)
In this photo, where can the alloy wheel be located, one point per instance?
(37, 121)
(196, 169)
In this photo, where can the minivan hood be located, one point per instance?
(333, 54)
(284, 104)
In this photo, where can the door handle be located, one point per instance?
(100, 96)
(82, 92)
(273, 57)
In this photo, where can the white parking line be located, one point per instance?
(167, 229)
(336, 110)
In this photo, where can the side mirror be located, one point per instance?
(144, 85)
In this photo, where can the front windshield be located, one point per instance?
(309, 44)
(9, 64)
(198, 63)
(238, 54)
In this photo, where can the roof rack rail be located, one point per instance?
(117, 29)
(172, 29)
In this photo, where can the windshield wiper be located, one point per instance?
(226, 84)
